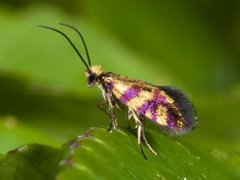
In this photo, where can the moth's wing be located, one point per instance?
(166, 106)
(185, 107)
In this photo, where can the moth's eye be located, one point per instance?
(92, 77)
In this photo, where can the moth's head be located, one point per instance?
(92, 74)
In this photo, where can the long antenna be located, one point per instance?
(83, 41)
(74, 47)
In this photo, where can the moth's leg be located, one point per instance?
(138, 127)
(128, 115)
(145, 140)
(108, 98)
(139, 130)
(113, 124)
(100, 106)
(141, 133)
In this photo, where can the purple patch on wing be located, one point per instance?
(154, 113)
(130, 94)
(160, 99)
(143, 109)
(152, 105)
(171, 118)
(171, 123)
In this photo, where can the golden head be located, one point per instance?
(96, 69)
(93, 73)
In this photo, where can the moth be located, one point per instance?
(167, 107)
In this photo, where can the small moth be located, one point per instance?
(168, 107)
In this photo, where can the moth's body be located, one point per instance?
(147, 100)
(161, 104)
(169, 108)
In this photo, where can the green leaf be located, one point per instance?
(36, 162)
(99, 154)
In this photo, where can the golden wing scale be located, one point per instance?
(169, 108)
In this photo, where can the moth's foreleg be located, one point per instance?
(113, 124)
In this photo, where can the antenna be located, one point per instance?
(71, 43)
(83, 41)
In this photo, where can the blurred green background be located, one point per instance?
(189, 44)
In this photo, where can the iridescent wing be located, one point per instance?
(168, 107)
